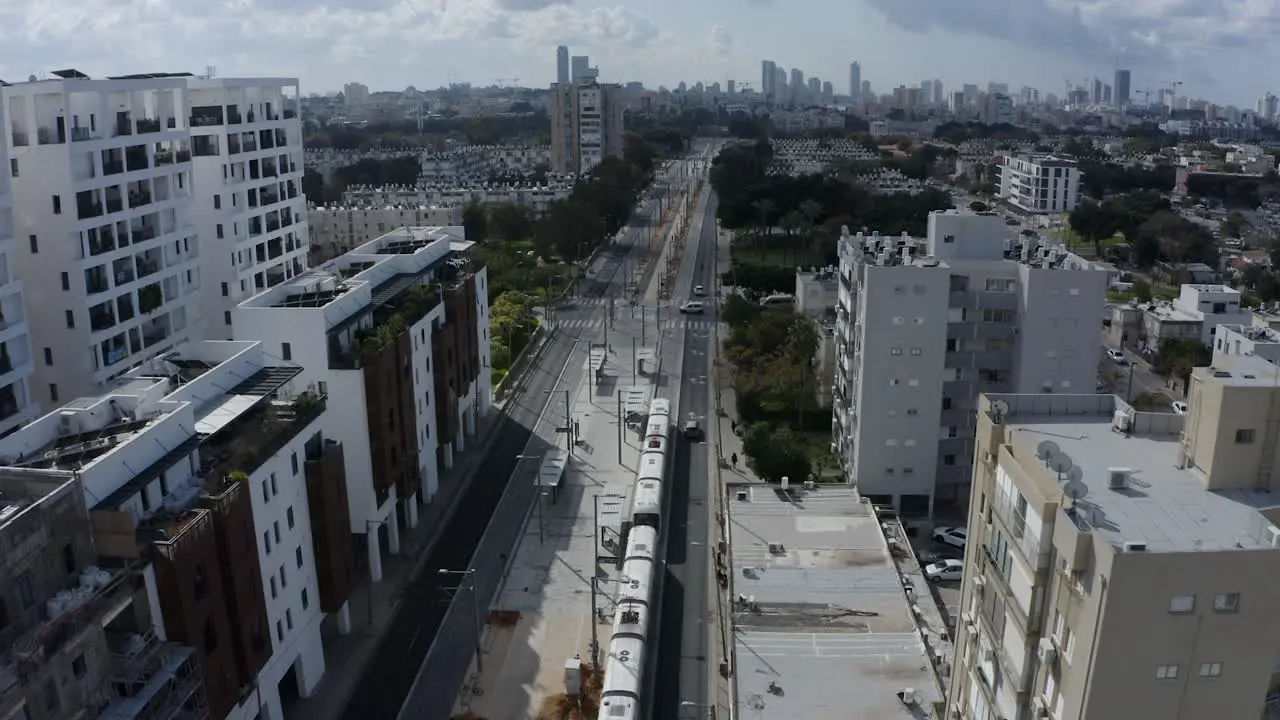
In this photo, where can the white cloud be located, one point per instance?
(721, 41)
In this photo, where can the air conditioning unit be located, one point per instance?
(1048, 652)
(1118, 478)
(1039, 707)
(979, 580)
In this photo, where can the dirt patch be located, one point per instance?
(504, 618)
(583, 706)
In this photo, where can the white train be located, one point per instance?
(636, 600)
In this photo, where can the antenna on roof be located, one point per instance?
(210, 71)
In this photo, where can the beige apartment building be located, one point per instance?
(586, 124)
(1122, 564)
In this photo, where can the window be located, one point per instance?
(999, 284)
(266, 492)
(219, 231)
(1166, 672)
(953, 431)
(273, 587)
(1244, 437)
(53, 392)
(35, 244)
(297, 555)
(226, 290)
(66, 282)
(266, 541)
(13, 167)
(306, 601)
(288, 514)
(1209, 669)
(912, 412)
(79, 667)
(217, 202)
(274, 489)
(895, 351)
(1182, 604)
(917, 352)
(286, 352)
(275, 526)
(888, 472)
(280, 631)
(949, 460)
(71, 323)
(284, 578)
(293, 460)
(57, 205)
(1226, 602)
(226, 317)
(48, 356)
(288, 618)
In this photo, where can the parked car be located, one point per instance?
(693, 307)
(944, 570)
(953, 536)
(928, 556)
(1179, 407)
(699, 291)
(1117, 356)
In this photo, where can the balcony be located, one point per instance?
(290, 114)
(144, 232)
(233, 115)
(206, 116)
(139, 198)
(82, 134)
(88, 205)
(135, 158)
(147, 125)
(9, 405)
(101, 317)
(147, 266)
(114, 350)
(389, 322)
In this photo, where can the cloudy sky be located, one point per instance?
(1221, 49)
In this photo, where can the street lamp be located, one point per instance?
(468, 575)
(537, 483)
(708, 707)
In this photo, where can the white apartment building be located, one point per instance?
(203, 471)
(586, 124)
(248, 208)
(537, 197)
(16, 358)
(109, 252)
(1195, 314)
(336, 229)
(357, 325)
(923, 326)
(1040, 183)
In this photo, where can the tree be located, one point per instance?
(774, 453)
(1094, 223)
(739, 311)
(475, 223)
(570, 230)
(509, 221)
(638, 153)
(1234, 225)
(979, 206)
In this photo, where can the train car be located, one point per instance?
(623, 680)
(635, 590)
(659, 425)
(646, 503)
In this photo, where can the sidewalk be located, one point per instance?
(347, 655)
(728, 443)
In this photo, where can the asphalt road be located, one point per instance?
(388, 677)
(681, 689)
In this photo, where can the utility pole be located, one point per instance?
(635, 362)
(595, 558)
(621, 420)
(468, 575)
(568, 424)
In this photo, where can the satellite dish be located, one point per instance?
(1060, 463)
(1047, 450)
(1075, 474)
(1000, 408)
(1075, 489)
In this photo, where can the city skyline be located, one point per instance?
(428, 44)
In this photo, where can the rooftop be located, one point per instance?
(1161, 505)
(1242, 371)
(827, 631)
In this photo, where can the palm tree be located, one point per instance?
(790, 223)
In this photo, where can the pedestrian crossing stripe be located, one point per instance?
(666, 323)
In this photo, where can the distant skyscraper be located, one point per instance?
(562, 64)
(855, 80)
(1097, 91)
(769, 80)
(581, 65)
(828, 91)
(865, 92)
(1121, 88)
(797, 86)
(733, 87)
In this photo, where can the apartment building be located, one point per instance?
(586, 124)
(1040, 183)
(248, 209)
(924, 326)
(337, 229)
(396, 331)
(16, 358)
(1194, 315)
(216, 497)
(1119, 559)
(109, 254)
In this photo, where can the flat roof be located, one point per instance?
(830, 626)
(1241, 371)
(1166, 507)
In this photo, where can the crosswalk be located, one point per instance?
(680, 323)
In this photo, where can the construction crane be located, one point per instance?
(1173, 92)
(503, 82)
(1146, 96)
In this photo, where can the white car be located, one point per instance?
(1117, 357)
(944, 570)
(1179, 407)
(953, 536)
(699, 290)
(692, 307)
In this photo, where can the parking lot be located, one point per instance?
(947, 592)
